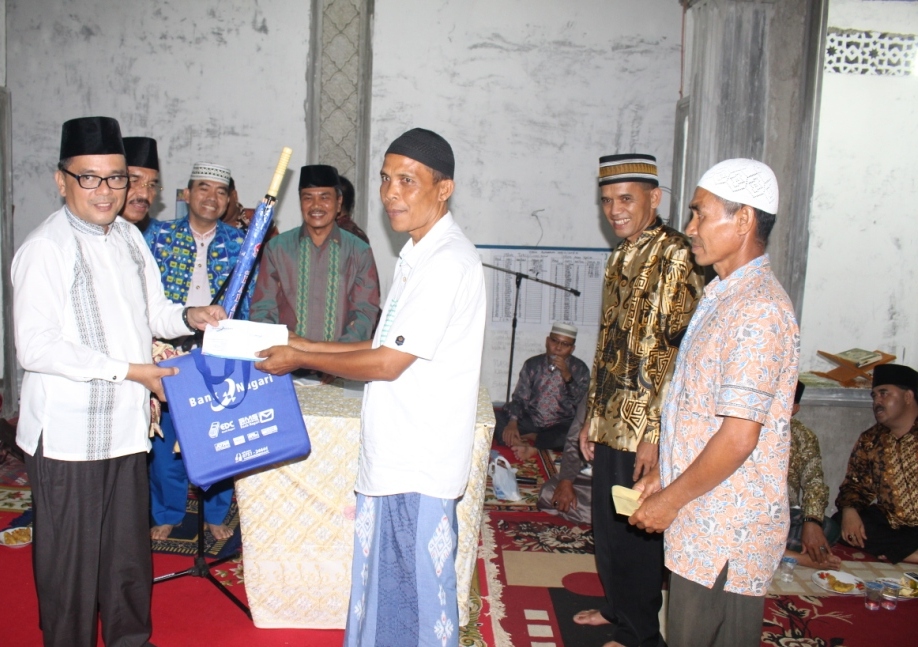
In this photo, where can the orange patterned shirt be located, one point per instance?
(738, 359)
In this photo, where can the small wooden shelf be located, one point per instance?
(847, 373)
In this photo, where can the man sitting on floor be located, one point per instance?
(878, 500)
(811, 534)
(546, 396)
(569, 493)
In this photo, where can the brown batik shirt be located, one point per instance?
(806, 486)
(886, 468)
(650, 292)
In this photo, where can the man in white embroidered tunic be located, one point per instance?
(418, 410)
(87, 301)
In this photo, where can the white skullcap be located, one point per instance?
(744, 181)
(208, 171)
(564, 329)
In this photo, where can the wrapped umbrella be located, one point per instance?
(261, 221)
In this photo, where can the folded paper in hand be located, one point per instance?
(239, 339)
(625, 500)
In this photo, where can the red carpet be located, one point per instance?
(186, 611)
(543, 570)
(189, 610)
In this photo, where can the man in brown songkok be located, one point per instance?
(651, 288)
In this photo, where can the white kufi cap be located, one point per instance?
(567, 330)
(744, 181)
(208, 171)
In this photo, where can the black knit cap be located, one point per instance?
(897, 375)
(317, 175)
(426, 147)
(91, 136)
(141, 151)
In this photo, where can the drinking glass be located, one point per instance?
(890, 595)
(873, 595)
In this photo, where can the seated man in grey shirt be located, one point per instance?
(569, 492)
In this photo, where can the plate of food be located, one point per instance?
(908, 589)
(838, 582)
(16, 537)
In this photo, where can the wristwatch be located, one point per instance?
(185, 320)
(815, 520)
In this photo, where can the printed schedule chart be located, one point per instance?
(540, 305)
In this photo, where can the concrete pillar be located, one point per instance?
(339, 81)
(752, 77)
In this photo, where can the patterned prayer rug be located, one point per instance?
(13, 473)
(538, 567)
(541, 572)
(230, 573)
(808, 621)
(15, 493)
(184, 538)
(15, 499)
(537, 469)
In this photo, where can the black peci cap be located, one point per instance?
(91, 136)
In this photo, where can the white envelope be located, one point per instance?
(239, 339)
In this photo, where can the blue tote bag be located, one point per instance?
(231, 418)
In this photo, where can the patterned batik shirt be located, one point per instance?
(738, 359)
(175, 250)
(651, 289)
(806, 486)
(542, 393)
(884, 468)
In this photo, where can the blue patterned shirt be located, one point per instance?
(174, 249)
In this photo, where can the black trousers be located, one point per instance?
(629, 560)
(91, 550)
(552, 437)
(882, 540)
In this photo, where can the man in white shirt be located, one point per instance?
(419, 407)
(86, 302)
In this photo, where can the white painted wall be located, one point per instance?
(530, 93)
(218, 81)
(3, 43)
(862, 270)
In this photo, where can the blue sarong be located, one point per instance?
(403, 578)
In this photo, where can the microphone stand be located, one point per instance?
(516, 303)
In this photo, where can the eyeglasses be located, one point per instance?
(561, 343)
(154, 186)
(115, 182)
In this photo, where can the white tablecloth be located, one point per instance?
(297, 518)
